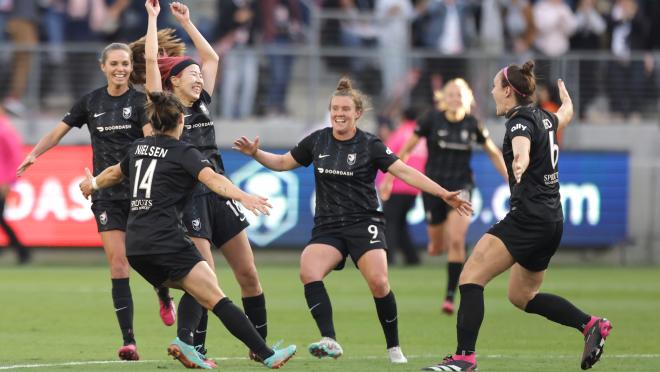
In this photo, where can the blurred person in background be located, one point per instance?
(393, 19)
(22, 25)
(210, 220)
(450, 132)
(11, 153)
(115, 117)
(347, 220)
(555, 23)
(530, 233)
(236, 33)
(402, 196)
(157, 244)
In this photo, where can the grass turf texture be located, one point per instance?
(61, 318)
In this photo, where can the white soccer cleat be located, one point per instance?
(396, 355)
(326, 347)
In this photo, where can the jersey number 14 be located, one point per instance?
(145, 181)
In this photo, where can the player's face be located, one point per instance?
(343, 114)
(453, 97)
(117, 67)
(189, 83)
(499, 95)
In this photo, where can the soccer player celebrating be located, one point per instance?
(115, 117)
(163, 171)
(209, 218)
(450, 131)
(347, 221)
(528, 236)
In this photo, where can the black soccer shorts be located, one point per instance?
(158, 268)
(437, 210)
(353, 240)
(111, 214)
(214, 218)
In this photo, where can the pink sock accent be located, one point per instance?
(472, 358)
(593, 320)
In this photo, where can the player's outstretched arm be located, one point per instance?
(417, 179)
(269, 160)
(49, 141)
(109, 177)
(565, 112)
(153, 82)
(222, 186)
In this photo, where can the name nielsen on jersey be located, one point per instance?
(334, 172)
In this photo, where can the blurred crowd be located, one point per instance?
(256, 38)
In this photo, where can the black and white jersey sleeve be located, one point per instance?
(114, 122)
(162, 173)
(344, 172)
(536, 197)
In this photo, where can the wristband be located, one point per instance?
(95, 186)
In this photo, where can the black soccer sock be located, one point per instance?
(123, 301)
(163, 294)
(239, 325)
(387, 314)
(453, 273)
(190, 312)
(319, 305)
(470, 316)
(255, 309)
(558, 310)
(199, 339)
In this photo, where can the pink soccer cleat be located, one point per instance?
(128, 352)
(168, 312)
(448, 307)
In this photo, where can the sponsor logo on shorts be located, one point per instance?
(196, 224)
(103, 218)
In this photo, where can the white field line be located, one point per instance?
(364, 357)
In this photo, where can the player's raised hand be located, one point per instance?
(456, 201)
(87, 185)
(180, 12)
(153, 7)
(563, 92)
(27, 163)
(256, 204)
(246, 146)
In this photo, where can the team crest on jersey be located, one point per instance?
(196, 224)
(547, 124)
(204, 109)
(103, 218)
(351, 159)
(464, 135)
(127, 112)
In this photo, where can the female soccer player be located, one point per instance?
(115, 117)
(530, 233)
(450, 131)
(208, 217)
(347, 221)
(163, 171)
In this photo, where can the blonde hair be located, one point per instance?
(169, 45)
(345, 89)
(467, 97)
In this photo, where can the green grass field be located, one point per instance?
(59, 317)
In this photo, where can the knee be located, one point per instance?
(248, 279)
(307, 276)
(457, 245)
(119, 267)
(379, 286)
(520, 299)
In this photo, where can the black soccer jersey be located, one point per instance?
(162, 173)
(536, 198)
(198, 130)
(113, 123)
(344, 172)
(450, 147)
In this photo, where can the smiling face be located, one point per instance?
(453, 97)
(343, 115)
(117, 67)
(188, 84)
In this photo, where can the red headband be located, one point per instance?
(506, 76)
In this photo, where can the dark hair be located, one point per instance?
(172, 66)
(345, 89)
(164, 110)
(522, 80)
(168, 46)
(115, 46)
(410, 113)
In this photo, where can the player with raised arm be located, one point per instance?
(529, 235)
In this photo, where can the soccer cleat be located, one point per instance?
(448, 307)
(128, 352)
(595, 333)
(396, 355)
(326, 347)
(202, 352)
(280, 357)
(186, 354)
(253, 356)
(167, 312)
(455, 363)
